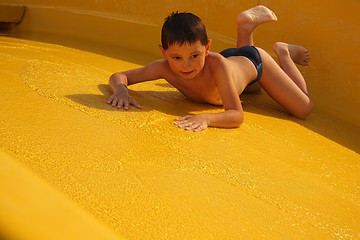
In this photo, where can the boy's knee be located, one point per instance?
(303, 112)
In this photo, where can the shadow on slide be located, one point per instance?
(168, 102)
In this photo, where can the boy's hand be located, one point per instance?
(122, 99)
(194, 123)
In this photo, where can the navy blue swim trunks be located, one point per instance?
(249, 52)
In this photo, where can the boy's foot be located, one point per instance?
(298, 54)
(250, 19)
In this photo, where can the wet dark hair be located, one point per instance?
(181, 28)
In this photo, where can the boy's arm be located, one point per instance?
(119, 82)
(232, 116)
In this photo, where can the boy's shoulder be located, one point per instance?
(158, 65)
(215, 61)
(214, 56)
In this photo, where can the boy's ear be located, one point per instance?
(162, 51)
(207, 47)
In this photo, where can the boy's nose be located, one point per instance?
(187, 63)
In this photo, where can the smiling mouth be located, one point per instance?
(187, 73)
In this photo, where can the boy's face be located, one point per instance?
(186, 60)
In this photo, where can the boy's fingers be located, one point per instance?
(120, 104)
(114, 102)
(110, 100)
(136, 104)
(199, 128)
(126, 105)
(182, 118)
(191, 127)
(187, 125)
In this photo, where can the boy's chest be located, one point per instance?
(202, 90)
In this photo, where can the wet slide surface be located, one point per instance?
(138, 175)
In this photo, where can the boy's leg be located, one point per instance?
(286, 84)
(288, 55)
(248, 20)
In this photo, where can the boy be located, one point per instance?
(219, 79)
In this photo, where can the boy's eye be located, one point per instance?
(195, 55)
(176, 58)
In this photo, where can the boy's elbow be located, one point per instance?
(239, 119)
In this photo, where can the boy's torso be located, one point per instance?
(203, 87)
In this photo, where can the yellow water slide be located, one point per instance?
(72, 167)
